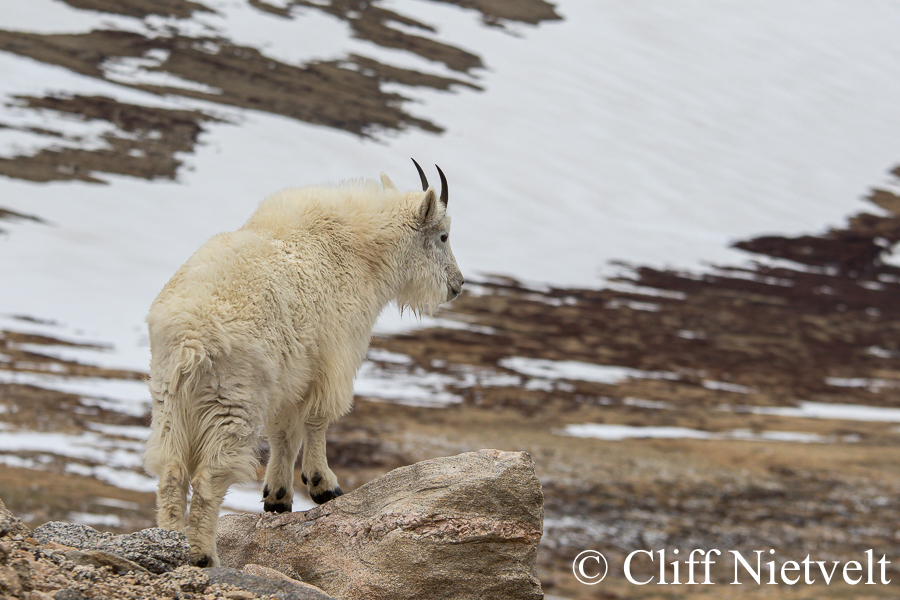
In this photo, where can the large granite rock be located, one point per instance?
(465, 526)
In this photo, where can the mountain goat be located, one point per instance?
(265, 327)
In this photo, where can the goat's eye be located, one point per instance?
(444, 238)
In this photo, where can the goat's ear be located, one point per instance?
(387, 183)
(428, 208)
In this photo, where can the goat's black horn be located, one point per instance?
(445, 190)
(421, 175)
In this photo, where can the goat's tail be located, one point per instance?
(184, 369)
(179, 383)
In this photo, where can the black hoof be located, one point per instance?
(327, 495)
(277, 507)
(316, 479)
(203, 561)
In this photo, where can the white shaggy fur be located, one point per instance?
(264, 329)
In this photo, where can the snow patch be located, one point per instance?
(415, 388)
(622, 432)
(119, 395)
(821, 410)
(139, 71)
(581, 371)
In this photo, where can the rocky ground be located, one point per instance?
(75, 562)
(729, 351)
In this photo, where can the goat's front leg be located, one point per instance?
(284, 444)
(319, 479)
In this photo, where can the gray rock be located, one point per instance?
(99, 558)
(264, 586)
(157, 550)
(11, 525)
(459, 527)
(261, 571)
(185, 578)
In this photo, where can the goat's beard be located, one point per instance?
(421, 301)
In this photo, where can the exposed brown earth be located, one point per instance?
(347, 94)
(144, 143)
(11, 215)
(141, 8)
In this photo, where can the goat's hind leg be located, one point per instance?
(171, 497)
(166, 458)
(209, 491)
(225, 455)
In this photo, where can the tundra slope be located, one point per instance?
(265, 327)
